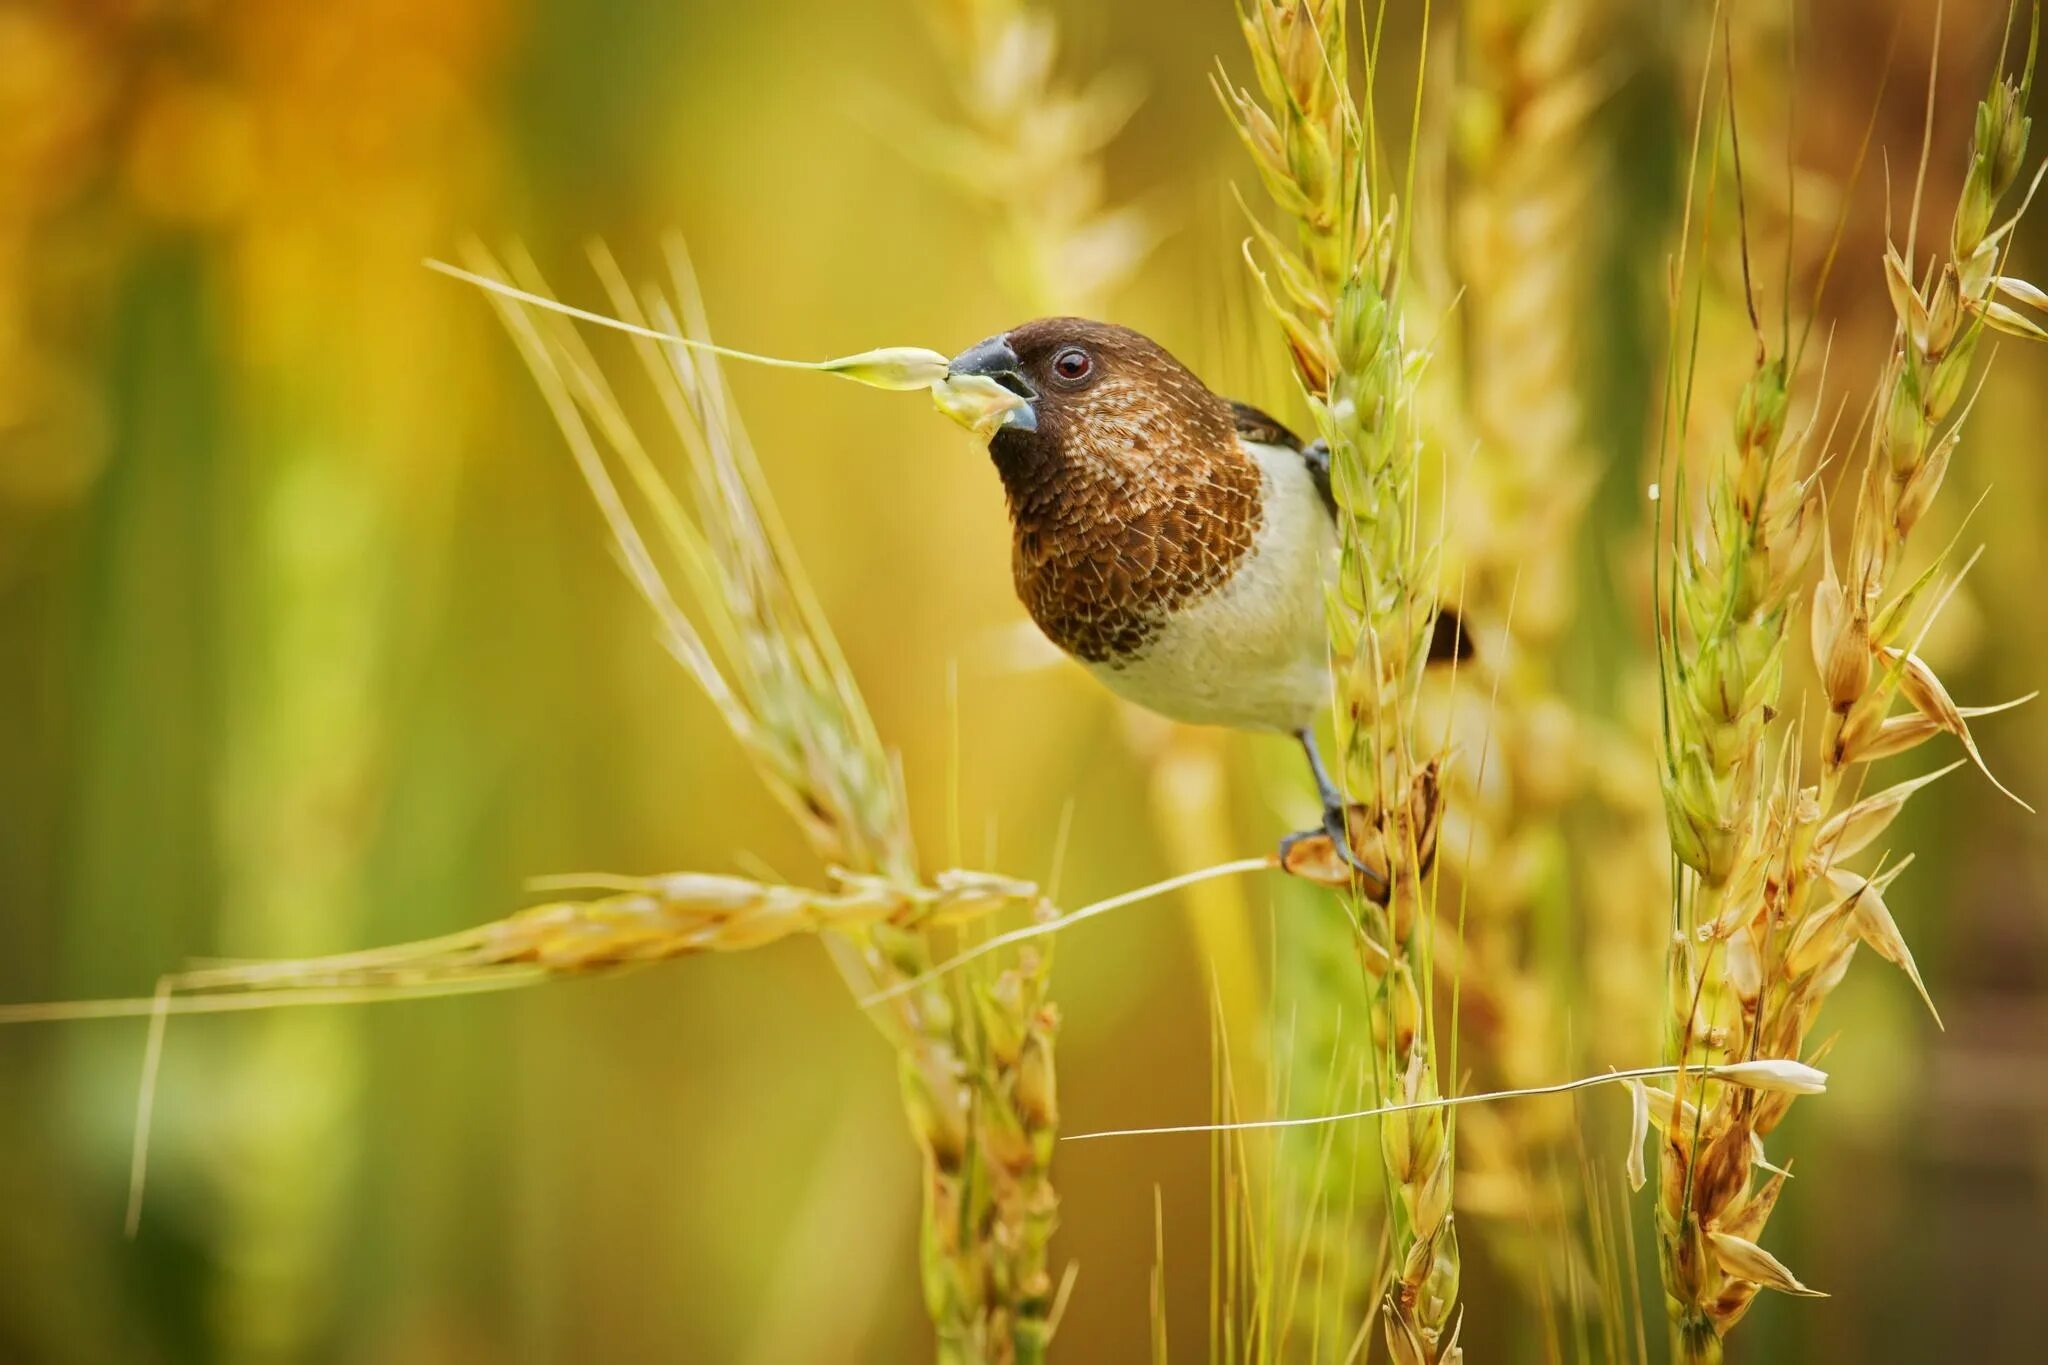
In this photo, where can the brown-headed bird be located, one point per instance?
(1179, 545)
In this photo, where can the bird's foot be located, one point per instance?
(1326, 856)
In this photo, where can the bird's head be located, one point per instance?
(1097, 397)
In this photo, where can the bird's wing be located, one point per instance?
(1447, 640)
(1255, 424)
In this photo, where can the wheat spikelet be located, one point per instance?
(1775, 916)
(1734, 581)
(977, 1054)
(1337, 301)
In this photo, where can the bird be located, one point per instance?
(1179, 545)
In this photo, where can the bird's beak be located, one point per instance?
(994, 360)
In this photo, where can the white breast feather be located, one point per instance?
(1252, 653)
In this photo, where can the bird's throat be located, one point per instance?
(1031, 468)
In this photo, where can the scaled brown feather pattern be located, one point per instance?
(1133, 498)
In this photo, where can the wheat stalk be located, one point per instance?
(1774, 916)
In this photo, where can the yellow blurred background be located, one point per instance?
(310, 640)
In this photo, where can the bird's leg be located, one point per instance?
(1317, 455)
(1336, 815)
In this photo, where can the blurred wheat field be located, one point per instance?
(315, 642)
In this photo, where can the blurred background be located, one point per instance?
(310, 640)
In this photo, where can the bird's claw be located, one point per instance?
(1337, 824)
(1335, 828)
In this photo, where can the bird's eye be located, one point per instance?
(1072, 364)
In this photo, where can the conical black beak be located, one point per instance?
(993, 359)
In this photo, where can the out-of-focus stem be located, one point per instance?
(1527, 174)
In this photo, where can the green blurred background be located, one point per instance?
(310, 640)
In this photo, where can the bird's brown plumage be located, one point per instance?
(1133, 495)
